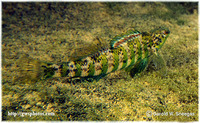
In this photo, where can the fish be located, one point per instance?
(129, 51)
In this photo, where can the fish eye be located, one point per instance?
(166, 32)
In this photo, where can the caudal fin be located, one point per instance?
(29, 69)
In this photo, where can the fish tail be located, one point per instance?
(30, 69)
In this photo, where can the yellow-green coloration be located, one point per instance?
(133, 50)
(116, 62)
(65, 70)
(104, 65)
(125, 58)
(78, 67)
(51, 32)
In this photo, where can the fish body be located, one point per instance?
(129, 51)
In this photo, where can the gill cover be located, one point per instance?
(159, 37)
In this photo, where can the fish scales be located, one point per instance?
(107, 62)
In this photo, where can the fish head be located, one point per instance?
(159, 37)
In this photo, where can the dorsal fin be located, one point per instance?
(96, 47)
(120, 39)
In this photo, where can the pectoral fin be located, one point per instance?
(139, 67)
(159, 64)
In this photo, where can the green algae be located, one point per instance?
(55, 32)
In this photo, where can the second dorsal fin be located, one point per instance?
(96, 47)
(120, 39)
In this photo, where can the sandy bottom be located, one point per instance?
(59, 32)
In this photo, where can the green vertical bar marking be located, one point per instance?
(139, 50)
(91, 69)
(64, 70)
(125, 58)
(104, 62)
(116, 59)
(132, 49)
(78, 68)
(146, 52)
